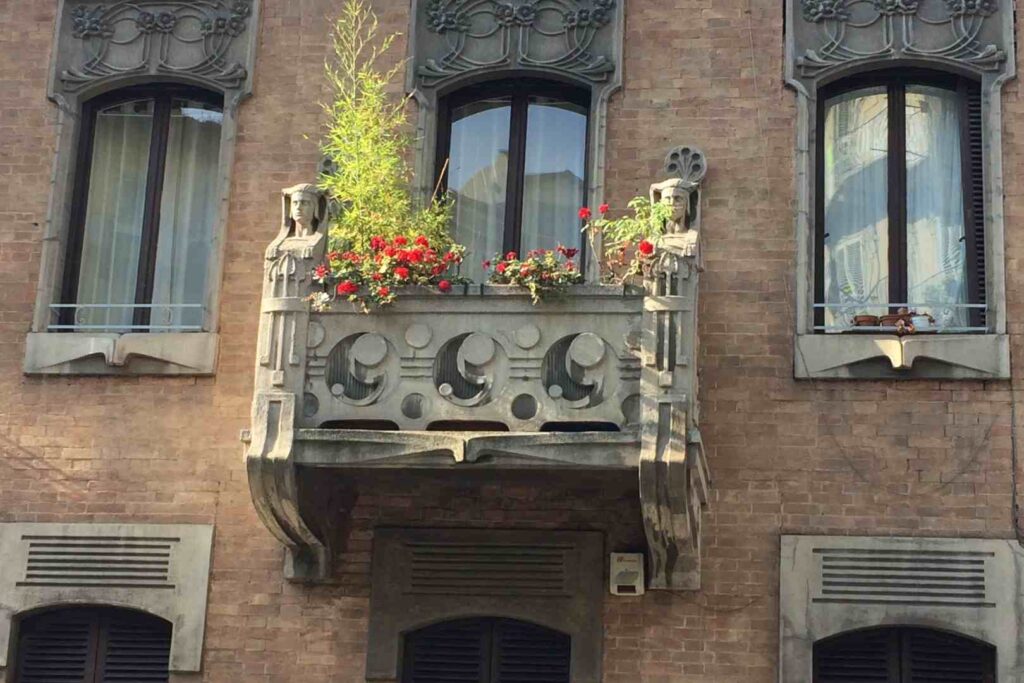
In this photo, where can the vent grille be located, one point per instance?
(904, 577)
(481, 569)
(111, 561)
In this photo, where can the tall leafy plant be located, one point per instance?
(365, 139)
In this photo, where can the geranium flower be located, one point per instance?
(584, 213)
(501, 267)
(400, 241)
(444, 286)
(422, 241)
(376, 277)
(383, 292)
(320, 273)
(603, 208)
(334, 256)
(401, 272)
(510, 256)
(347, 287)
(486, 264)
(645, 248)
(377, 243)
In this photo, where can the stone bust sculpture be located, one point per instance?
(303, 219)
(680, 236)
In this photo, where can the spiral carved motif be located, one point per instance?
(464, 369)
(575, 369)
(356, 370)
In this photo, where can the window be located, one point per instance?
(903, 655)
(93, 645)
(513, 156)
(486, 651)
(143, 212)
(900, 208)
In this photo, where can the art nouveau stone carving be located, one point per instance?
(602, 379)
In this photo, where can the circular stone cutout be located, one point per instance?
(524, 406)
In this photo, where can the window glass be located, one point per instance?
(114, 213)
(936, 250)
(553, 190)
(188, 212)
(478, 178)
(856, 240)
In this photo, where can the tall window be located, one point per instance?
(513, 155)
(486, 651)
(900, 212)
(93, 645)
(144, 211)
(903, 655)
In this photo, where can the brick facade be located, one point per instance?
(862, 457)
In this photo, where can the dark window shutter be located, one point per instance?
(857, 657)
(450, 652)
(974, 197)
(525, 653)
(486, 651)
(93, 645)
(936, 657)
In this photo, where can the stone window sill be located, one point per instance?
(885, 356)
(165, 353)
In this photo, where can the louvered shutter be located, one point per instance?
(451, 652)
(93, 645)
(135, 649)
(936, 657)
(973, 169)
(860, 657)
(525, 653)
(57, 648)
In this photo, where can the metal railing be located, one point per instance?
(920, 309)
(57, 309)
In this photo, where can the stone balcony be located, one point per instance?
(601, 379)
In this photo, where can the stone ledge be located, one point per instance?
(165, 353)
(879, 356)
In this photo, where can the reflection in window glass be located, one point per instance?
(553, 188)
(856, 239)
(114, 213)
(188, 210)
(936, 252)
(478, 178)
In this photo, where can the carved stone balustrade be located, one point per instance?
(601, 379)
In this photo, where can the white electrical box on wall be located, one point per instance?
(627, 574)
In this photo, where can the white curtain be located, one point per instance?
(556, 143)
(936, 251)
(188, 212)
(113, 220)
(477, 178)
(856, 272)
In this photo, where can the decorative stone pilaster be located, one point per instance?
(673, 469)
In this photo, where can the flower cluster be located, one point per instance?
(161, 22)
(629, 242)
(90, 22)
(373, 277)
(542, 271)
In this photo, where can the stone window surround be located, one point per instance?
(184, 605)
(803, 621)
(870, 356)
(134, 353)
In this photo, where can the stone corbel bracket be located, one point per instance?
(674, 477)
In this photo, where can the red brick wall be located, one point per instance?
(928, 458)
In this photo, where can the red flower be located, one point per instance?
(401, 272)
(347, 287)
(444, 286)
(390, 251)
(400, 241)
(414, 256)
(376, 277)
(584, 213)
(645, 248)
(422, 241)
(501, 268)
(486, 264)
(524, 271)
(603, 208)
(377, 243)
(510, 256)
(437, 270)
(567, 252)
(321, 272)
(383, 292)
(334, 256)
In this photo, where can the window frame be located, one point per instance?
(896, 81)
(519, 90)
(163, 96)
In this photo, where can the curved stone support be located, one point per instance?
(673, 471)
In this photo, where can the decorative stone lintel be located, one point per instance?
(165, 353)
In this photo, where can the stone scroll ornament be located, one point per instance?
(846, 31)
(195, 38)
(673, 470)
(280, 377)
(459, 36)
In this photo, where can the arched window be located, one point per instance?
(903, 655)
(144, 211)
(513, 154)
(92, 645)
(900, 208)
(486, 650)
